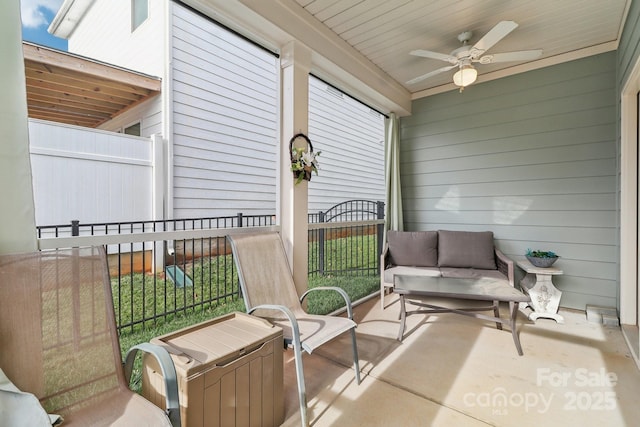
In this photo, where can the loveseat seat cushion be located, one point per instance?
(389, 273)
(413, 248)
(466, 249)
(472, 273)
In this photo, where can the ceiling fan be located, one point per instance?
(463, 57)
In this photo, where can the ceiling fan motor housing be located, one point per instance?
(464, 51)
(465, 37)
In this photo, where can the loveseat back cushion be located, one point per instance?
(413, 248)
(466, 249)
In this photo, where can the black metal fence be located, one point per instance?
(156, 279)
(347, 250)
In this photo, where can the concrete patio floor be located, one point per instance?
(452, 370)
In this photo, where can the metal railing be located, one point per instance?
(160, 269)
(347, 249)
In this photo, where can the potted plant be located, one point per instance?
(543, 259)
(303, 159)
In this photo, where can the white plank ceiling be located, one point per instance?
(385, 31)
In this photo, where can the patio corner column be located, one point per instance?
(295, 63)
(17, 216)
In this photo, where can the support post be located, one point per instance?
(157, 200)
(293, 207)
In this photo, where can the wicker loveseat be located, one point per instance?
(442, 253)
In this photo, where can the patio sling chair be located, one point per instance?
(269, 291)
(58, 341)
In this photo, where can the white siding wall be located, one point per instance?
(89, 175)
(149, 114)
(350, 137)
(225, 120)
(105, 34)
(225, 114)
(531, 157)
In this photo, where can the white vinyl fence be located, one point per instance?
(94, 176)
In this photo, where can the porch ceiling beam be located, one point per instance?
(39, 94)
(77, 79)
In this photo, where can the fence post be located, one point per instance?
(380, 227)
(158, 252)
(321, 245)
(239, 219)
(75, 227)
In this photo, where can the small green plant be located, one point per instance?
(541, 254)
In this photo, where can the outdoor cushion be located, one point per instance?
(413, 248)
(466, 249)
(410, 271)
(472, 273)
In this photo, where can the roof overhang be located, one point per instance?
(72, 89)
(68, 16)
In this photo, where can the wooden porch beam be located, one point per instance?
(89, 67)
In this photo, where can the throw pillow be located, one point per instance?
(413, 248)
(466, 249)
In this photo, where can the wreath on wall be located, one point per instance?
(303, 160)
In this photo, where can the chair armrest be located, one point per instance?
(295, 329)
(505, 266)
(341, 291)
(168, 373)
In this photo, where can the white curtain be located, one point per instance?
(394, 219)
(17, 216)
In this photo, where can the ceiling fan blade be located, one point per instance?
(523, 55)
(494, 35)
(432, 73)
(434, 55)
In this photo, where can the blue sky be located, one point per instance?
(36, 17)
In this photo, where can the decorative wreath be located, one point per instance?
(303, 159)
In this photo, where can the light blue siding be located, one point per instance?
(531, 157)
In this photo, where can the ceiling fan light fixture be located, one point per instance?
(465, 76)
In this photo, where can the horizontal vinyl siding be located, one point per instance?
(531, 157)
(350, 137)
(225, 121)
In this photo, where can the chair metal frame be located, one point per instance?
(295, 341)
(55, 271)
